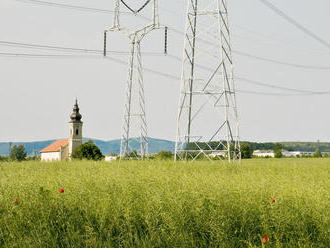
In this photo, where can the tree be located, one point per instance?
(246, 150)
(278, 150)
(164, 155)
(17, 153)
(3, 158)
(131, 155)
(317, 153)
(87, 151)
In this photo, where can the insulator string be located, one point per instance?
(105, 44)
(166, 36)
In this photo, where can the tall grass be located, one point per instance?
(162, 204)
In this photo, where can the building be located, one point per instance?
(286, 154)
(264, 153)
(110, 158)
(62, 149)
(292, 154)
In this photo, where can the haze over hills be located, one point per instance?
(107, 147)
(157, 145)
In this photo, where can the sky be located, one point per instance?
(37, 94)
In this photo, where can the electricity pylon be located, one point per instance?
(207, 124)
(134, 128)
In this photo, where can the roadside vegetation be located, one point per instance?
(260, 203)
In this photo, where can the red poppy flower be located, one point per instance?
(265, 238)
(61, 190)
(16, 200)
(272, 200)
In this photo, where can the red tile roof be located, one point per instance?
(56, 146)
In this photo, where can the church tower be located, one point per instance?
(75, 137)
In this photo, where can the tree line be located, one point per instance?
(89, 151)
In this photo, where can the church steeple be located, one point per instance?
(75, 116)
(75, 126)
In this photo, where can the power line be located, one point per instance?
(170, 76)
(282, 88)
(71, 49)
(66, 49)
(259, 83)
(312, 67)
(55, 56)
(295, 23)
(100, 52)
(174, 30)
(271, 94)
(76, 7)
(33, 55)
(66, 6)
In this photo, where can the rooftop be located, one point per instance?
(56, 146)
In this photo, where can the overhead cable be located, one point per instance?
(170, 76)
(138, 10)
(295, 23)
(75, 7)
(100, 52)
(175, 30)
(65, 49)
(312, 67)
(281, 87)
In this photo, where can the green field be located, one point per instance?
(162, 204)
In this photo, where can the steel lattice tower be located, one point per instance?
(134, 128)
(207, 123)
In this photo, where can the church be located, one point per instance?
(62, 149)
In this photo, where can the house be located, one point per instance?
(110, 158)
(62, 149)
(218, 154)
(264, 153)
(289, 154)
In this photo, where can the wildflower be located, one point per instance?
(265, 238)
(61, 190)
(272, 200)
(53, 205)
(16, 200)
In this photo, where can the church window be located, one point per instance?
(77, 131)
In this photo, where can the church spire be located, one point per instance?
(75, 116)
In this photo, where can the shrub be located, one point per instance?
(164, 155)
(17, 153)
(246, 150)
(278, 150)
(87, 151)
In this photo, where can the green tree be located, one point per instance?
(317, 153)
(246, 150)
(131, 155)
(17, 153)
(164, 155)
(278, 150)
(3, 158)
(87, 151)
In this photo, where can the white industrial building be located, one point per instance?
(264, 153)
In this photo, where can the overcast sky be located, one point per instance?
(36, 95)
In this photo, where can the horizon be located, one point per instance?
(118, 139)
(37, 101)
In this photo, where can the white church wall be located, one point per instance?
(65, 152)
(50, 156)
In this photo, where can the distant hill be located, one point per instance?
(107, 147)
(156, 145)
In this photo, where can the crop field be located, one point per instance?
(260, 203)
